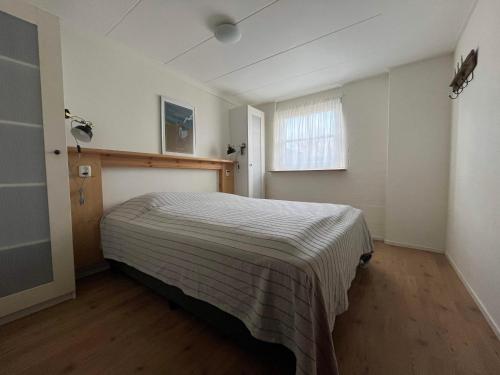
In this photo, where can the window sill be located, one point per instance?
(310, 170)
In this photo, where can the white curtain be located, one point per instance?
(309, 135)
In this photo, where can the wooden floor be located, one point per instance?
(409, 314)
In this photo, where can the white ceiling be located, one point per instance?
(289, 47)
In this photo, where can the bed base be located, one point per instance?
(225, 323)
(364, 260)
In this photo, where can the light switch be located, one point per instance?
(85, 171)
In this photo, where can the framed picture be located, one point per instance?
(177, 127)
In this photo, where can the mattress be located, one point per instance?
(283, 268)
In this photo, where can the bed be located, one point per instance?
(281, 268)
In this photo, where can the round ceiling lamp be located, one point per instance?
(227, 33)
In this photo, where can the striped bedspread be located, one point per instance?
(283, 268)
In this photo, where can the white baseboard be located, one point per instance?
(416, 247)
(33, 309)
(494, 326)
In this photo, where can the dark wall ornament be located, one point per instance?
(464, 74)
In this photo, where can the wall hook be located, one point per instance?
(464, 74)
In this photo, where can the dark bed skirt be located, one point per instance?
(225, 323)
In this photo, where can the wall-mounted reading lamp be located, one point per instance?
(81, 132)
(231, 149)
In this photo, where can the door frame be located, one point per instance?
(251, 111)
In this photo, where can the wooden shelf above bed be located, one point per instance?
(115, 158)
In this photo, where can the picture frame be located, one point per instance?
(178, 127)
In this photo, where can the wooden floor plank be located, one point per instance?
(411, 315)
(408, 314)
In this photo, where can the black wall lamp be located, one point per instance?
(81, 132)
(231, 149)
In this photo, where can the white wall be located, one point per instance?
(119, 91)
(418, 154)
(121, 184)
(474, 206)
(398, 128)
(365, 105)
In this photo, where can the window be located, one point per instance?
(309, 136)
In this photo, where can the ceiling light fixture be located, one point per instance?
(227, 33)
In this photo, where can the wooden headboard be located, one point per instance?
(86, 217)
